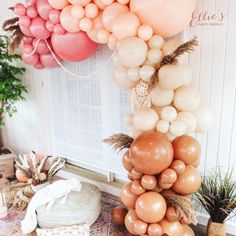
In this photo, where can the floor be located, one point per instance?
(102, 227)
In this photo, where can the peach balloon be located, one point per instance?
(68, 22)
(118, 215)
(77, 11)
(129, 220)
(171, 214)
(99, 4)
(173, 229)
(139, 227)
(157, 189)
(186, 149)
(103, 36)
(178, 166)
(91, 10)
(112, 42)
(155, 230)
(189, 182)
(123, 1)
(151, 153)
(111, 12)
(164, 185)
(127, 197)
(167, 19)
(136, 174)
(80, 2)
(125, 25)
(145, 32)
(169, 192)
(168, 176)
(107, 2)
(127, 161)
(132, 52)
(130, 176)
(137, 188)
(58, 4)
(86, 24)
(149, 182)
(156, 42)
(150, 207)
(187, 231)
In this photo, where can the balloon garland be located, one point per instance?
(162, 154)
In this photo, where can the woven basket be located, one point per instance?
(215, 229)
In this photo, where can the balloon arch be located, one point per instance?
(162, 154)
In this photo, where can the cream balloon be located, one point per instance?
(145, 119)
(133, 132)
(91, 10)
(174, 76)
(58, 4)
(162, 126)
(132, 52)
(125, 25)
(77, 11)
(133, 74)
(112, 42)
(80, 2)
(156, 42)
(103, 35)
(205, 118)
(187, 99)
(129, 119)
(171, 137)
(177, 128)
(121, 79)
(161, 97)
(145, 32)
(168, 113)
(86, 24)
(154, 55)
(111, 12)
(189, 120)
(146, 72)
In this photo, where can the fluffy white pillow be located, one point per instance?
(75, 230)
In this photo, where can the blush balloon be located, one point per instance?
(43, 8)
(151, 153)
(49, 26)
(155, 230)
(30, 60)
(31, 12)
(173, 229)
(19, 9)
(189, 182)
(39, 66)
(58, 29)
(150, 207)
(137, 188)
(118, 215)
(149, 182)
(127, 197)
(31, 2)
(27, 40)
(24, 21)
(68, 48)
(129, 220)
(186, 149)
(38, 28)
(41, 46)
(178, 166)
(139, 227)
(171, 214)
(54, 16)
(168, 176)
(48, 60)
(127, 161)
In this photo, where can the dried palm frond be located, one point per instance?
(183, 206)
(217, 196)
(119, 141)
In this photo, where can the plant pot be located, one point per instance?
(7, 159)
(39, 187)
(215, 229)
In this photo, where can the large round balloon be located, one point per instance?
(167, 18)
(173, 229)
(151, 153)
(127, 197)
(38, 28)
(187, 149)
(151, 207)
(189, 182)
(73, 46)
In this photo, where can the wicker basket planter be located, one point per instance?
(215, 229)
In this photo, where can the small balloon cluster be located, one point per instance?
(70, 30)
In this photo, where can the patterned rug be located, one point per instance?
(10, 226)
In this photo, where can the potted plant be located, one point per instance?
(11, 91)
(217, 196)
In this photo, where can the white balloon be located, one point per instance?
(177, 128)
(132, 52)
(162, 126)
(205, 118)
(133, 74)
(174, 76)
(154, 55)
(170, 136)
(169, 114)
(161, 97)
(145, 119)
(129, 119)
(189, 120)
(187, 98)
(133, 132)
(146, 72)
(156, 42)
(121, 78)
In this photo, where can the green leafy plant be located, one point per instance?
(11, 84)
(217, 196)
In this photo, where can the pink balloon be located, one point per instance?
(43, 8)
(54, 16)
(19, 9)
(31, 2)
(167, 18)
(48, 60)
(27, 57)
(24, 21)
(39, 66)
(38, 28)
(49, 26)
(41, 46)
(73, 46)
(27, 40)
(26, 31)
(58, 29)
(31, 12)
